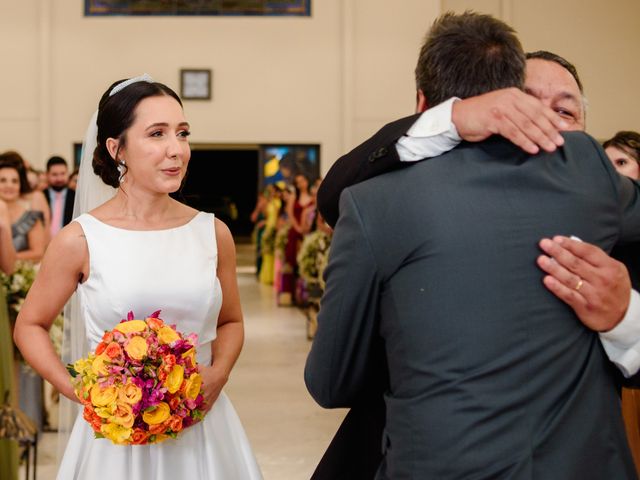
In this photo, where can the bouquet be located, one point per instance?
(312, 257)
(141, 385)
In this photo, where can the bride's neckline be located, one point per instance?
(154, 230)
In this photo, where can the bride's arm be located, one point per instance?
(230, 331)
(63, 266)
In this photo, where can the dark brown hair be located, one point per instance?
(12, 159)
(466, 55)
(116, 113)
(627, 141)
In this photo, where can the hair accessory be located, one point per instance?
(145, 77)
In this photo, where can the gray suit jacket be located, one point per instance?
(432, 271)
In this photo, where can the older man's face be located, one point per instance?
(557, 89)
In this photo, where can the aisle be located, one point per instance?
(287, 430)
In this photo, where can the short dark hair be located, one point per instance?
(466, 55)
(56, 161)
(116, 113)
(12, 159)
(563, 62)
(626, 140)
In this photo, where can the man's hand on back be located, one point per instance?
(520, 118)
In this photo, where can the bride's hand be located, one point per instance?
(212, 382)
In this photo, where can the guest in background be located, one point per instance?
(73, 180)
(295, 206)
(59, 196)
(31, 197)
(271, 211)
(624, 152)
(283, 224)
(27, 225)
(29, 240)
(257, 218)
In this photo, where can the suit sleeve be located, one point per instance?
(345, 361)
(375, 156)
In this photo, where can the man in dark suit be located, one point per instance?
(525, 121)
(489, 375)
(58, 195)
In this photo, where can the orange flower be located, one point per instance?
(156, 429)
(101, 348)
(175, 423)
(139, 437)
(92, 418)
(174, 402)
(154, 323)
(169, 361)
(113, 350)
(107, 337)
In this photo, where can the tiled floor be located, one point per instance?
(287, 430)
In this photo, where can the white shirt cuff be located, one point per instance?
(622, 343)
(431, 135)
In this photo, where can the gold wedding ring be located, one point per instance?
(578, 286)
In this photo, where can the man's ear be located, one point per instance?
(421, 102)
(112, 147)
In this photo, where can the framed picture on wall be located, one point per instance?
(195, 84)
(201, 7)
(279, 164)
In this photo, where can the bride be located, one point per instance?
(143, 251)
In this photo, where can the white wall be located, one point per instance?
(332, 79)
(600, 38)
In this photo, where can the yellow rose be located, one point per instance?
(156, 415)
(103, 397)
(105, 412)
(191, 353)
(123, 415)
(130, 393)
(116, 433)
(192, 388)
(167, 335)
(136, 347)
(131, 326)
(174, 379)
(98, 366)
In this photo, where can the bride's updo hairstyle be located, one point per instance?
(116, 113)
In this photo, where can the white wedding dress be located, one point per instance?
(174, 271)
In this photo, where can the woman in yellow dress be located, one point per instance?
(272, 210)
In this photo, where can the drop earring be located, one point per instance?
(121, 170)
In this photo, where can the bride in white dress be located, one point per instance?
(143, 251)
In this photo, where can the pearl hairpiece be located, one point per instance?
(145, 77)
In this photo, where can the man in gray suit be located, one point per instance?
(432, 293)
